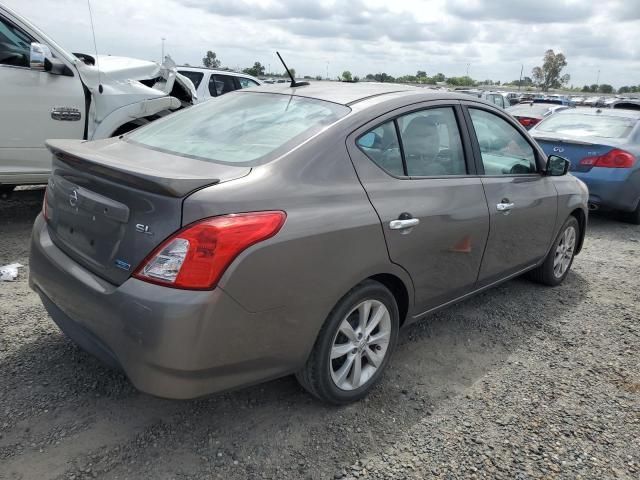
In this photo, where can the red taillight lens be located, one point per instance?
(615, 158)
(196, 257)
(528, 122)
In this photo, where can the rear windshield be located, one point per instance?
(241, 127)
(524, 110)
(579, 125)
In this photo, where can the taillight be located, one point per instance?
(196, 257)
(615, 158)
(528, 122)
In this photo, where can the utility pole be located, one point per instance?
(468, 64)
(162, 56)
(520, 82)
(327, 70)
(598, 78)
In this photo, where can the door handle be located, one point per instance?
(504, 206)
(403, 224)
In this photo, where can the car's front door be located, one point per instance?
(522, 200)
(29, 100)
(414, 166)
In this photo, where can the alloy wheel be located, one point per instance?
(564, 252)
(360, 345)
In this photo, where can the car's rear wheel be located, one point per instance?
(556, 266)
(354, 345)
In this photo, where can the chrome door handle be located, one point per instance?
(402, 224)
(505, 207)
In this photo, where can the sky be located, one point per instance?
(491, 39)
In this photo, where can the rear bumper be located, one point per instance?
(612, 188)
(171, 343)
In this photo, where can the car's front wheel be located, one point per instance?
(556, 265)
(354, 345)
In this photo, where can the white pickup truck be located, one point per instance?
(46, 92)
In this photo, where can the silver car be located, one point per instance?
(284, 230)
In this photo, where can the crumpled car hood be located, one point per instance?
(115, 82)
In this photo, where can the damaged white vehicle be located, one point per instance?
(46, 92)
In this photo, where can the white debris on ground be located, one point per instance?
(9, 273)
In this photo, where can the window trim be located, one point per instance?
(466, 106)
(392, 116)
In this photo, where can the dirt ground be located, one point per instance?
(520, 382)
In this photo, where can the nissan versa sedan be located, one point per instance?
(603, 146)
(284, 230)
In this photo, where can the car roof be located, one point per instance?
(345, 93)
(213, 70)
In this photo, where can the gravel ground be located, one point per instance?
(520, 382)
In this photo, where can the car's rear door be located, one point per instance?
(415, 165)
(522, 200)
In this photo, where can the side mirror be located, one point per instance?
(557, 166)
(38, 53)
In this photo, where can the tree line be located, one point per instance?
(545, 77)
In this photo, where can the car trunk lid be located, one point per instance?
(110, 203)
(573, 149)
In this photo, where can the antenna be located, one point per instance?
(95, 46)
(294, 84)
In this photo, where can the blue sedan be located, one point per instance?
(603, 146)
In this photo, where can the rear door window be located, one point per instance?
(381, 145)
(429, 144)
(221, 84)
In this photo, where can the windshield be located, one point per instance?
(579, 125)
(240, 128)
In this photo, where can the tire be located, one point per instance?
(633, 217)
(548, 273)
(6, 191)
(335, 380)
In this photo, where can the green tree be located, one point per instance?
(439, 77)
(593, 88)
(421, 74)
(211, 60)
(257, 70)
(382, 77)
(605, 88)
(464, 81)
(346, 76)
(549, 74)
(586, 88)
(624, 89)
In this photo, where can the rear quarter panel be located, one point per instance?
(331, 240)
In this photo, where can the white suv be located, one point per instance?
(213, 83)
